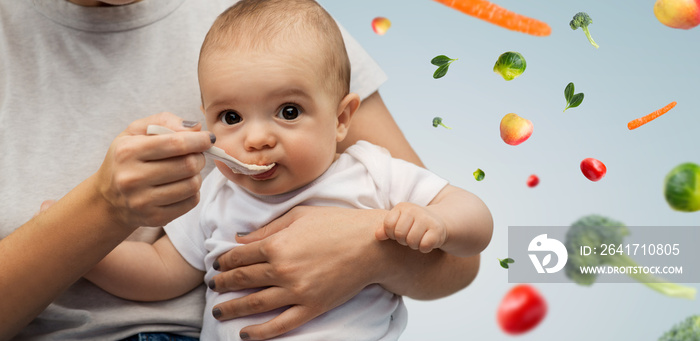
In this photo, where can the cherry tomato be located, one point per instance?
(521, 309)
(593, 169)
(533, 180)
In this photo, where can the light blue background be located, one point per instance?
(640, 66)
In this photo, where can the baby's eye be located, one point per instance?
(289, 112)
(230, 117)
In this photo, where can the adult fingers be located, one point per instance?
(240, 256)
(273, 227)
(258, 302)
(145, 179)
(169, 145)
(174, 192)
(165, 119)
(157, 183)
(170, 170)
(248, 277)
(158, 147)
(162, 215)
(288, 320)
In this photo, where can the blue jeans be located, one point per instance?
(159, 337)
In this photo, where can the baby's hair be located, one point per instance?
(260, 24)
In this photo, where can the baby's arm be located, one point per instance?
(145, 272)
(455, 221)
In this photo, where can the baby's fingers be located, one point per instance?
(416, 235)
(431, 240)
(380, 233)
(45, 206)
(386, 231)
(402, 228)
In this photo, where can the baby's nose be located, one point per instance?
(258, 138)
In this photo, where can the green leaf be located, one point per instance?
(572, 100)
(440, 60)
(576, 100)
(569, 92)
(505, 262)
(441, 71)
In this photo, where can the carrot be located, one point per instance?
(634, 124)
(497, 15)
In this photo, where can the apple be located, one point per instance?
(380, 25)
(515, 129)
(683, 14)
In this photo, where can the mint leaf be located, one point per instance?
(443, 63)
(572, 100)
(505, 262)
(440, 60)
(576, 100)
(569, 92)
(441, 71)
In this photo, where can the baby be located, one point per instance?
(274, 78)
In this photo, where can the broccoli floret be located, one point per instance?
(590, 230)
(594, 230)
(686, 330)
(582, 20)
(437, 121)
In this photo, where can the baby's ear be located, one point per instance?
(347, 107)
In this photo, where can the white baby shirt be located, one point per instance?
(364, 177)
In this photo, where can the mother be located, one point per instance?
(73, 73)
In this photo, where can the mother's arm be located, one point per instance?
(314, 259)
(143, 181)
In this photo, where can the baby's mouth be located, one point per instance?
(265, 175)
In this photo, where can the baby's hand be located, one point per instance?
(414, 226)
(45, 206)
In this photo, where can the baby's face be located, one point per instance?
(270, 107)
